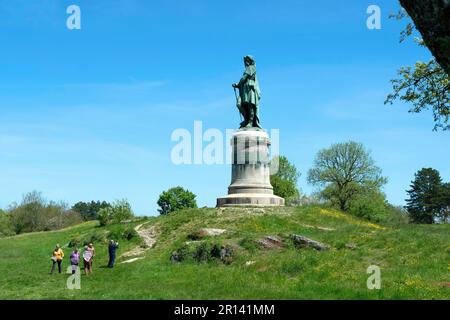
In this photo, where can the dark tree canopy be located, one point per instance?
(425, 202)
(432, 19)
(89, 210)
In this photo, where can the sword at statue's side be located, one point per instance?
(238, 103)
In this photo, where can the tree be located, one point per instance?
(89, 210)
(344, 170)
(370, 205)
(284, 188)
(176, 199)
(427, 84)
(5, 224)
(35, 213)
(445, 202)
(119, 211)
(432, 19)
(284, 181)
(425, 204)
(28, 217)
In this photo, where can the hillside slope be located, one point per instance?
(414, 260)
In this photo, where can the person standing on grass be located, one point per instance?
(87, 260)
(74, 260)
(91, 248)
(57, 258)
(112, 253)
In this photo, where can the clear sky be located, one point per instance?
(88, 114)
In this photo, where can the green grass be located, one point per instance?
(414, 260)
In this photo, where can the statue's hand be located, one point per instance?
(235, 85)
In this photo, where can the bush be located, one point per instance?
(370, 205)
(5, 224)
(35, 213)
(130, 234)
(104, 216)
(176, 199)
(119, 211)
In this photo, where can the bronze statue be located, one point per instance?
(249, 94)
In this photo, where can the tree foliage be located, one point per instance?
(424, 86)
(432, 19)
(5, 224)
(344, 170)
(35, 213)
(176, 198)
(428, 200)
(284, 188)
(284, 181)
(89, 210)
(117, 212)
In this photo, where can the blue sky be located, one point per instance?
(88, 114)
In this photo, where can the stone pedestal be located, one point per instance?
(250, 171)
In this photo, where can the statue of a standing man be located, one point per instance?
(249, 95)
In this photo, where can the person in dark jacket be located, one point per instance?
(112, 253)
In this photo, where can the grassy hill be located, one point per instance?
(414, 259)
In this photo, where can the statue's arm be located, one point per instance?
(244, 78)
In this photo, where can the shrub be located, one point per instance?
(176, 199)
(104, 216)
(370, 205)
(5, 224)
(121, 211)
(130, 234)
(118, 212)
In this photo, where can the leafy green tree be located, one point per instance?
(286, 170)
(445, 202)
(104, 216)
(343, 171)
(175, 199)
(5, 224)
(424, 86)
(89, 210)
(284, 188)
(119, 211)
(35, 213)
(284, 181)
(424, 204)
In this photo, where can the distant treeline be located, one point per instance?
(34, 213)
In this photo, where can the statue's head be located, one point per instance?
(249, 60)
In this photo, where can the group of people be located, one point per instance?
(88, 257)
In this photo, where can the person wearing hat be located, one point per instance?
(249, 95)
(57, 257)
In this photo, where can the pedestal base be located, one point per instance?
(250, 171)
(249, 200)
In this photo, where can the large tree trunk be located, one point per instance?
(432, 19)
